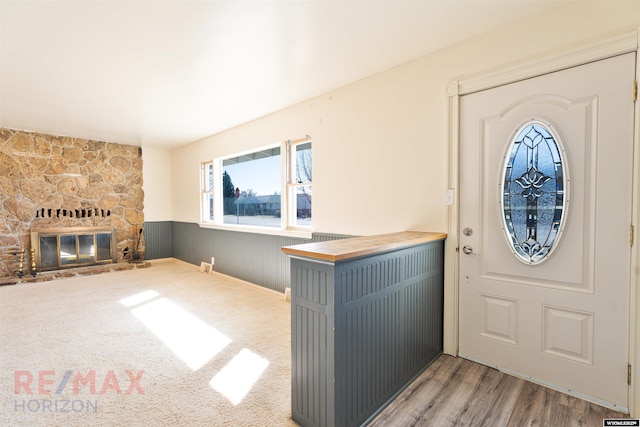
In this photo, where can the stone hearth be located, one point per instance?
(73, 272)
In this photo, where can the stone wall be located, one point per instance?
(53, 181)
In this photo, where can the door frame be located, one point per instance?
(621, 44)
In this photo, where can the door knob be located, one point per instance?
(467, 250)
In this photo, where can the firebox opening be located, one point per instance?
(57, 248)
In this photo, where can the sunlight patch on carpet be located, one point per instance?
(235, 380)
(138, 298)
(188, 337)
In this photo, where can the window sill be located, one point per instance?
(302, 234)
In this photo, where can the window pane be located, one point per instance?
(303, 163)
(210, 205)
(207, 207)
(206, 202)
(257, 179)
(302, 206)
(207, 177)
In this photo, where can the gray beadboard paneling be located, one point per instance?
(157, 239)
(362, 330)
(312, 344)
(254, 257)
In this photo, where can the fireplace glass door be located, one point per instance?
(68, 253)
(86, 249)
(58, 249)
(103, 245)
(48, 251)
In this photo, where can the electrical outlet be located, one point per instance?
(212, 260)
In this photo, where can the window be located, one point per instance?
(300, 178)
(257, 178)
(534, 190)
(269, 187)
(206, 190)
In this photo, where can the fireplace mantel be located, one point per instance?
(68, 247)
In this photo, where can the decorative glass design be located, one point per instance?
(533, 193)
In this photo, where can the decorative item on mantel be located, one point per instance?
(136, 255)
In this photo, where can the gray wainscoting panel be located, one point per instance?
(254, 257)
(157, 239)
(312, 343)
(362, 330)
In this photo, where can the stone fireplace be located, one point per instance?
(68, 184)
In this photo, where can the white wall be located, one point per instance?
(156, 170)
(380, 145)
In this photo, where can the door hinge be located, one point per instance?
(629, 374)
(635, 90)
(631, 234)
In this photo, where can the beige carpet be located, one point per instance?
(162, 346)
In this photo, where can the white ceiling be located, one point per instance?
(166, 73)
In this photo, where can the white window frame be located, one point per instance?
(287, 190)
(292, 185)
(206, 216)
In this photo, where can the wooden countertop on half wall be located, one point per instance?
(354, 247)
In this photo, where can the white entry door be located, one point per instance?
(545, 219)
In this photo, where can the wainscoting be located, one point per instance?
(361, 329)
(157, 238)
(256, 258)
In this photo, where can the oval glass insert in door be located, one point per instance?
(534, 192)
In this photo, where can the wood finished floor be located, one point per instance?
(456, 392)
